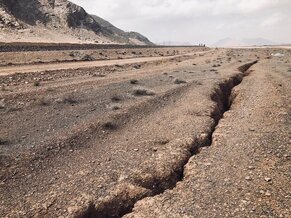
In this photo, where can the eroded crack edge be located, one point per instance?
(122, 202)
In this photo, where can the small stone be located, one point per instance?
(251, 167)
(267, 179)
(136, 149)
(2, 104)
(268, 193)
(248, 178)
(244, 201)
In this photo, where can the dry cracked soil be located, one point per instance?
(145, 132)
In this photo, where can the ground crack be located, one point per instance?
(123, 203)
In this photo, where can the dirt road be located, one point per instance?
(4, 71)
(204, 134)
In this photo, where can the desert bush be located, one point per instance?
(98, 75)
(137, 66)
(69, 99)
(162, 141)
(109, 126)
(133, 81)
(116, 98)
(141, 91)
(179, 81)
(88, 58)
(43, 101)
(2, 141)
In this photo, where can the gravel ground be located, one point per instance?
(246, 170)
(149, 139)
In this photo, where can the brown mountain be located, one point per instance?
(58, 21)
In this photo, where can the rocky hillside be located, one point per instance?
(58, 21)
(120, 35)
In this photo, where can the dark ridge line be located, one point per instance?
(119, 207)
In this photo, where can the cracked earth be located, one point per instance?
(195, 133)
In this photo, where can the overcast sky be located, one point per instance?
(196, 21)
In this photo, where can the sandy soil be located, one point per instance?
(11, 58)
(246, 170)
(84, 64)
(204, 134)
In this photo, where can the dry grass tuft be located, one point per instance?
(179, 81)
(3, 141)
(69, 99)
(109, 126)
(133, 81)
(88, 58)
(141, 91)
(43, 101)
(116, 98)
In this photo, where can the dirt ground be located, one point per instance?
(39, 57)
(159, 132)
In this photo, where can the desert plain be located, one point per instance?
(144, 131)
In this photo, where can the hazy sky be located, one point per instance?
(197, 21)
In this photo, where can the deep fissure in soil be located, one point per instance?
(121, 206)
